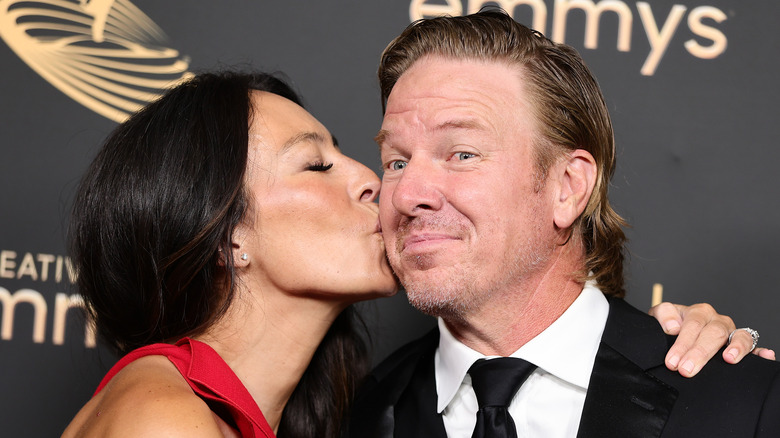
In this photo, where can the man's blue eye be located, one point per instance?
(397, 165)
(464, 155)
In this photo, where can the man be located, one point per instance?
(497, 150)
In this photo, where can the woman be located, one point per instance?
(222, 259)
(181, 230)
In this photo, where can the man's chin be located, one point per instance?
(435, 301)
(431, 268)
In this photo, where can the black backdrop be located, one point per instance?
(697, 166)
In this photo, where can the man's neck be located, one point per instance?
(515, 316)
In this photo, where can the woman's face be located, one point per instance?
(313, 224)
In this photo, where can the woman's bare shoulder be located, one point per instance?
(147, 398)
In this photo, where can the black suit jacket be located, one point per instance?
(631, 392)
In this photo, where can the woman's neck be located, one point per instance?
(268, 342)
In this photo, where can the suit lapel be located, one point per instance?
(623, 399)
(415, 413)
(395, 390)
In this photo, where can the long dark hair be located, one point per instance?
(151, 234)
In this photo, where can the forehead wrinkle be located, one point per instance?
(467, 124)
(419, 104)
(470, 124)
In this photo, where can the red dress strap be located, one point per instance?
(209, 377)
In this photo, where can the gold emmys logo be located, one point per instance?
(711, 42)
(105, 54)
(48, 269)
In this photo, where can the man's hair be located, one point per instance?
(564, 96)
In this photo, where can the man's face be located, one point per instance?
(463, 216)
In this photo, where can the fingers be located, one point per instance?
(766, 353)
(741, 343)
(702, 333)
(668, 315)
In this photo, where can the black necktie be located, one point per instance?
(495, 382)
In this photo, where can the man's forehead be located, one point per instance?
(460, 99)
(384, 137)
(448, 124)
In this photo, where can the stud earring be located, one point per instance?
(244, 256)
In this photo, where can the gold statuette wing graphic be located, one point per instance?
(105, 54)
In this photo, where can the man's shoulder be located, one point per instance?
(752, 377)
(636, 333)
(741, 398)
(373, 412)
(403, 360)
(750, 382)
(721, 397)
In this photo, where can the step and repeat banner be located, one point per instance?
(691, 85)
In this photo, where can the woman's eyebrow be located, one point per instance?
(302, 137)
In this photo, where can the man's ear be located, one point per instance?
(577, 177)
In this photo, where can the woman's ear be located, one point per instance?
(576, 180)
(241, 257)
(238, 249)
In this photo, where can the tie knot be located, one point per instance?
(496, 381)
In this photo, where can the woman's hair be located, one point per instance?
(151, 234)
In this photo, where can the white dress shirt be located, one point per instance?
(550, 402)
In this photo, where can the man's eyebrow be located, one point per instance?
(382, 135)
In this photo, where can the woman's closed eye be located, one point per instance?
(319, 166)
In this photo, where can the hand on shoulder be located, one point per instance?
(701, 333)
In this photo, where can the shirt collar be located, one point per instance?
(566, 349)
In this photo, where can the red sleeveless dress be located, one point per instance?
(211, 379)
